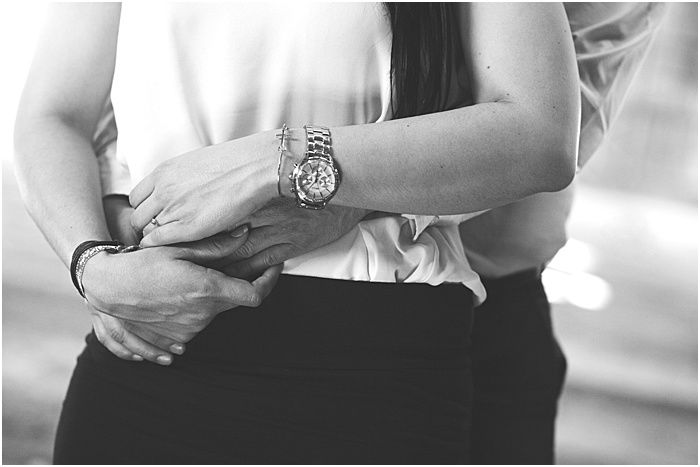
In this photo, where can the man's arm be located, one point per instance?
(611, 41)
(63, 100)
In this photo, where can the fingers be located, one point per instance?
(265, 283)
(259, 239)
(164, 343)
(216, 247)
(260, 287)
(141, 191)
(118, 216)
(144, 214)
(174, 232)
(177, 231)
(113, 346)
(140, 347)
(235, 291)
(121, 341)
(252, 267)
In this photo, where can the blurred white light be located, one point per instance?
(579, 289)
(589, 292)
(672, 228)
(574, 256)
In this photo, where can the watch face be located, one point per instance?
(317, 180)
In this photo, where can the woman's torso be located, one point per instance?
(191, 75)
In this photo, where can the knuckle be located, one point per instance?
(133, 221)
(156, 235)
(270, 259)
(254, 300)
(186, 337)
(148, 353)
(123, 354)
(246, 250)
(207, 289)
(117, 334)
(100, 336)
(188, 319)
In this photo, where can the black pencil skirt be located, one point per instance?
(325, 371)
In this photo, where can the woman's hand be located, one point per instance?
(206, 191)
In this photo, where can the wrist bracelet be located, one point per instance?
(83, 253)
(283, 135)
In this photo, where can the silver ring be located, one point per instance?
(154, 221)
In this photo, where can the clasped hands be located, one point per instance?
(219, 245)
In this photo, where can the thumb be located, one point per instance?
(217, 246)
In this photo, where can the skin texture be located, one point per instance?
(276, 233)
(520, 138)
(185, 297)
(56, 167)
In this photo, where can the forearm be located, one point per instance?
(58, 177)
(452, 162)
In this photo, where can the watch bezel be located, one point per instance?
(303, 198)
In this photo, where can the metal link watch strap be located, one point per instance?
(318, 141)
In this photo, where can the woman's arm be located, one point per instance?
(519, 138)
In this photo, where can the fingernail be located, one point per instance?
(138, 358)
(164, 359)
(177, 348)
(240, 231)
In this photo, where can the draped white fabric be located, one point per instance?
(191, 75)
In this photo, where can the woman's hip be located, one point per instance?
(309, 322)
(324, 371)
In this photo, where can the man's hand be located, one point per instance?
(281, 231)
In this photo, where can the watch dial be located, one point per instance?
(317, 180)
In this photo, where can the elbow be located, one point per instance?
(560, 169)
(558, 153)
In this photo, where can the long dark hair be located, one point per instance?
(422, 53)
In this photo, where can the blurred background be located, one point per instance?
(624, 289)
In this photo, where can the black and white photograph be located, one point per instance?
(349, 233)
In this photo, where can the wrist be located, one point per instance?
(267, 167)
(82, 255)
(296, 148)
(95, 269)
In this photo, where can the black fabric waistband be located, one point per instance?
(511, 281)
(308, 322)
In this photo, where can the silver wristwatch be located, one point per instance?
(315, 180)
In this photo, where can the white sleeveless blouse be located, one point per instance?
(190, 75)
